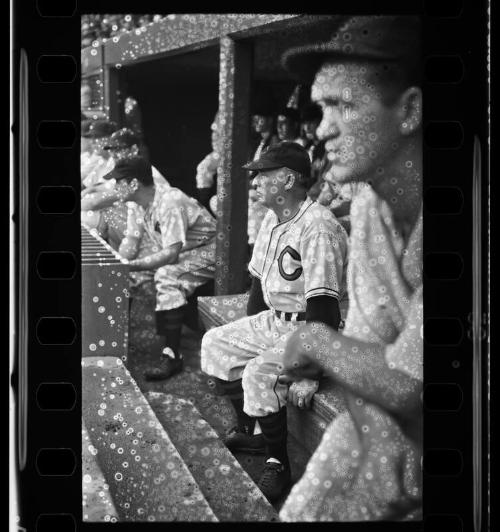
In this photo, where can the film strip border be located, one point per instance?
(47, 377)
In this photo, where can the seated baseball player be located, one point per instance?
(101, 200)
(298, 267)
(183, 254)
(95, 160)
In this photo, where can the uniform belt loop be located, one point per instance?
(290, 316)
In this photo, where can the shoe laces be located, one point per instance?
(236, 429)
(270, 474)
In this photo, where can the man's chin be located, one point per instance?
(341, 174)
(344, 174)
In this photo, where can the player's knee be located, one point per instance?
(252, 377)
(208, 350)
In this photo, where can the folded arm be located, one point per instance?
(169, 255)
(99, 198)
(359, 366)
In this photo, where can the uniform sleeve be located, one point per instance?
(158, 178)
(406, 353)
(256, 265)
(323, 258)
(173, 223)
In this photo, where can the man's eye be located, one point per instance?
(346, 111)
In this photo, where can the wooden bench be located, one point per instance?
(307, 426)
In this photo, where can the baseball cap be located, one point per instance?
(130, 168)
(123, 138)
(285, 154)
(363, 38)
(289, 112)
(98, 128)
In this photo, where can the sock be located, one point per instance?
(274, 430)
(234, 392)
(169, 325)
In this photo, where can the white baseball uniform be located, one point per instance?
(366, 467)
(174, 217)
(113, 219)
(295, 260)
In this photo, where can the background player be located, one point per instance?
(183, 254)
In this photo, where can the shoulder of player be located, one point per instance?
(319, 219)
(171, 196)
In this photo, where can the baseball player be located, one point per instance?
(94, 162)
(263, 124)
(298, 268)
(206, 171)
(101, 200)
(368, 464)
(183, 255)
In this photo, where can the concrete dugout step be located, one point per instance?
(147, 478)
(229, 490)
(97, 505)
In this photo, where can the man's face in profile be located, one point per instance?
(285, 127)
(261, 123)
(361, 132)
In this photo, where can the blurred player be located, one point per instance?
(368, 464)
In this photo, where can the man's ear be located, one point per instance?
(290, 180)
(134, 184)
(410, 110)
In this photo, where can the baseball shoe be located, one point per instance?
(168, 367)
(238, 439)
(274, 480)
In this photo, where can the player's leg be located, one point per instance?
(225, 351)
(171, 306)
(265, 400)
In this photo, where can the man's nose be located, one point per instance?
(327, 129)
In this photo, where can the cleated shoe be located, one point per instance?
(238, 439)
(274, 480)
(169, 366)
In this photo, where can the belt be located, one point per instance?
(290, 316)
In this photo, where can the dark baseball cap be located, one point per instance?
(283, 155)
(364, 38)
(123, 138)
(289, 112)
(132, 168)
(98, 128)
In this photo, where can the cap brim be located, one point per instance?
(257, 166)
(113, 175)
(304, 61)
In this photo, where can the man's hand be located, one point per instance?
(298, 360)
(301, 392)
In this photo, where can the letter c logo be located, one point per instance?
(295, 255)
